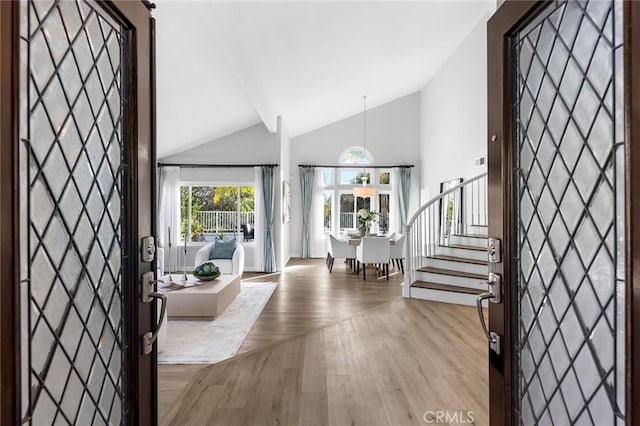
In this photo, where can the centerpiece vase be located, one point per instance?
(367, 230)
(363, 230)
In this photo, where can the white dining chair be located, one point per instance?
(373, 250)
(341, 250)
(397, 252)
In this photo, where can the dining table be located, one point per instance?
(355, 240)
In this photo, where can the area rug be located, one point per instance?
(209, 342)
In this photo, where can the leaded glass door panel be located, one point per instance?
(569, 189)
(85, 197)
(558, 197)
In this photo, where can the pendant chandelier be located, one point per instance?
(364, 190)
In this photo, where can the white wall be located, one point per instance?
(253, 145)
(393, 138)
(234, 176)
(454, 114)
(285, 175)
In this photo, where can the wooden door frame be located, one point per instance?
(10, 393)
(142, 384)
(510, 17)
(142, 381)
(632, 86)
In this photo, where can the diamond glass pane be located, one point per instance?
(570, 195)
(72, 181)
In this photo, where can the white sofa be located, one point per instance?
(235, 265)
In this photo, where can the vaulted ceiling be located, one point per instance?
(224, 66)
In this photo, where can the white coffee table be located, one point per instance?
(204, 301)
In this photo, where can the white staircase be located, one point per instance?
(449, 266)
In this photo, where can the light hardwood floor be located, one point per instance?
(345, 352)
(307, 298)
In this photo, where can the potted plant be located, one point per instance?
(207, 271)
(365, 217)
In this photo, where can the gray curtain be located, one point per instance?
(268, 191)
(405, 192)
(307, 177)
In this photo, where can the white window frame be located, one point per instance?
(357, 156)
(339, 189)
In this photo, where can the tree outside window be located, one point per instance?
(384, 178)
(383, 216)
(211, 212)
(353, 177)
(349, 206)
(347, 210)
(328, 201)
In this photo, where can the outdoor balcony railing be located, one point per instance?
(223, 221)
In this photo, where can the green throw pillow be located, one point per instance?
(223, 249)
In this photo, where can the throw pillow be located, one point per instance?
(223, 249)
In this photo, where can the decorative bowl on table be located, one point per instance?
(206, 272)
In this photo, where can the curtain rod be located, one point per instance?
(356, 166)
(218, 166)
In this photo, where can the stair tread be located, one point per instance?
(451, 272)
(445, 287)
(462, 246)
(459, 259)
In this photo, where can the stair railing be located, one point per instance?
(453, 212)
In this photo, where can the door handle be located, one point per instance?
(150, 337)
(148, 295)
(494, 295)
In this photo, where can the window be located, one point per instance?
(356, 155)
(328, 208)
(327, 177)
(384, 178)
(349, 206)
(347, 210)
(383, 210)
(210, 212)
(348, 177)
(353, 177)
(340, 205)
